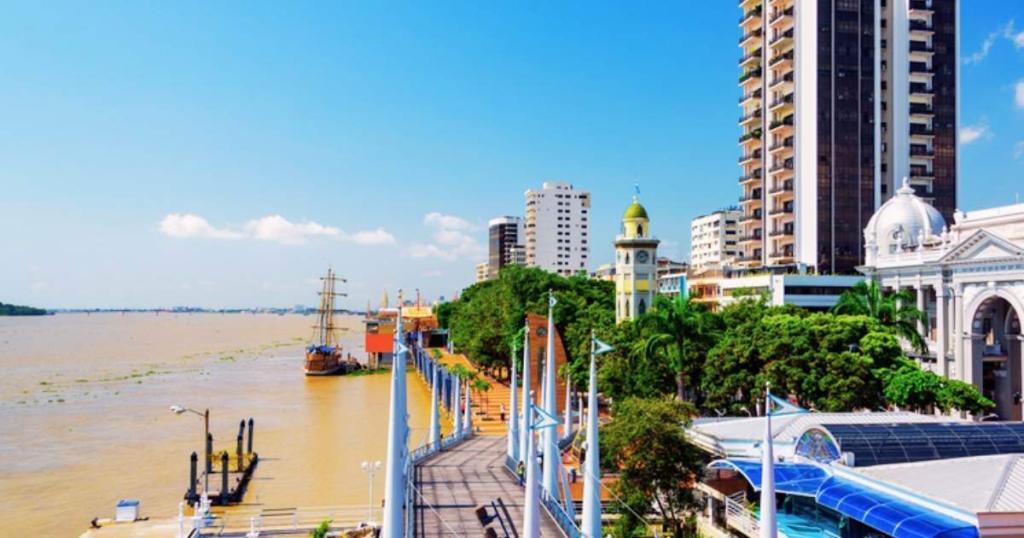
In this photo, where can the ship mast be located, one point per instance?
(325, 326)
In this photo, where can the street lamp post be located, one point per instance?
(370, 469)
(181, 409)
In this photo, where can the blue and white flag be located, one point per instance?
(541, 418)
(777, 406)
(400, 348)
(601, 347)
(551, 300)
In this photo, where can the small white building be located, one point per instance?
(714, 239)
(968, 277)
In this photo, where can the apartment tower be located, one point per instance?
(841, 100)
(558, 228)
(505, 243)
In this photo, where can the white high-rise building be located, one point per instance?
(714, 239)
(558, 228)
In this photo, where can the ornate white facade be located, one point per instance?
(968, 277)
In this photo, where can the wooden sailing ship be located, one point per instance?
(324, 354)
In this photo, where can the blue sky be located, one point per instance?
(223, 153)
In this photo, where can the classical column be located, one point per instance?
(940, 329)
(919, 291)
(958, 335)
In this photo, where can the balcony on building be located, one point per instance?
(751, 135)
(921, 130)
(921, 151)
(750, 77)
(782, 166)
(749, 37)
(782, 127)
(782, 104)
(751, 19)
(749, 59)
(923, 111)
(920, 93)
(756, 94)
(920, 9)
(786, 187)
(751, 117)
(920, 49)
(781, 16)
(921, 28)
(782, 82)
(781, 210)
(784, 60)
(753, 196)
(753, 176)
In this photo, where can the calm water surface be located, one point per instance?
(84, 417)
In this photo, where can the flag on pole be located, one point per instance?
(601, 347)
(541, 419)
(782, 407)
(551, 300)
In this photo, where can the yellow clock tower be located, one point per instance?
(635, 264)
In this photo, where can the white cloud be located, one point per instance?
(189, 225)
(446, 222)
(273, 228)
(1018, 150)
(433, 273)
(1018, 96)
(973, 133)
(281, 230)
(990, 40)
(380, 236)
(452, 239)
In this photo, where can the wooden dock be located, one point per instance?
(452, 485)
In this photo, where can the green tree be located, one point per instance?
(626, 372)
(646, 445)
(894, 310)
(680, 332)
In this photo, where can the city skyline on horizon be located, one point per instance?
(215, 167)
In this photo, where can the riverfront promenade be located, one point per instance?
(454, 483)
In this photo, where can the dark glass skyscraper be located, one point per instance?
(842, 100)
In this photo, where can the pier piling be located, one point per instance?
(193, 468)
(224, 491)
(241, 428)
(238, 453)
(209, 450)
(250, 436)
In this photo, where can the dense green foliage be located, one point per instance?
(16, 310)
(845, 360)
(895, 310)
(647, 447)
(487, 319)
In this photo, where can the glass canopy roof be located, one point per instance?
(877, 444)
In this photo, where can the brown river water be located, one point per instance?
(85, 419)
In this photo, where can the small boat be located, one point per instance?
(324, 354)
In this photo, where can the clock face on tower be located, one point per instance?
(641, 256)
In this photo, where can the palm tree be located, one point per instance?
(894, 310)
(677, 330)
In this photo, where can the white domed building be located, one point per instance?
(969, 277)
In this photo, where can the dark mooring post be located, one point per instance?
(224, 477)
(238, 453)
(193, 468)
(241, 428)
(250, 435)
(209, 450)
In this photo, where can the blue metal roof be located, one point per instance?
(879, 510)
(790, 478)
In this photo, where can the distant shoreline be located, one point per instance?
(19, 310)
(278, 311)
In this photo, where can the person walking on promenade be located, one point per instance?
(521, 472)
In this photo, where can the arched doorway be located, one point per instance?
(996, 355)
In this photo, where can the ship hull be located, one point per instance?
(320, 363)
